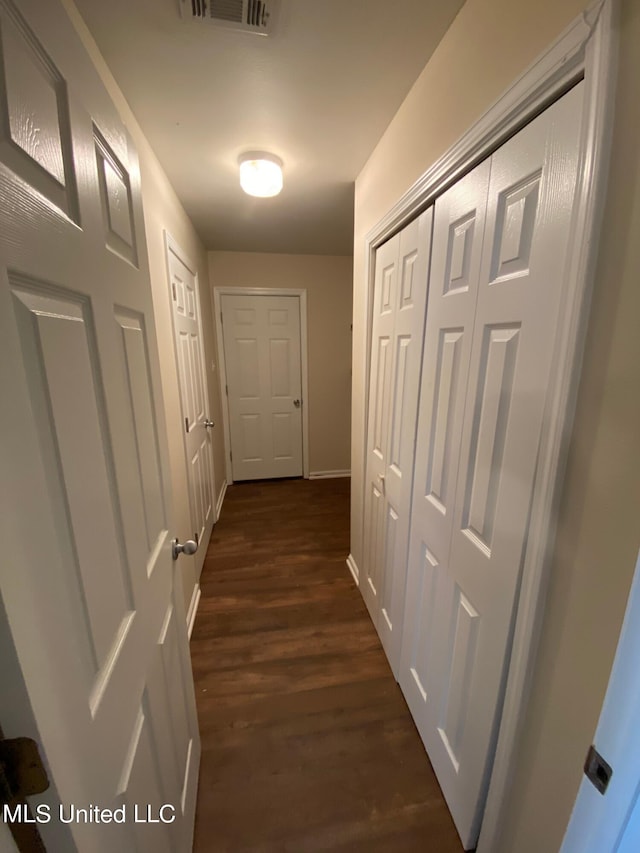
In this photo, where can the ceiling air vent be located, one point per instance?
(250, 16)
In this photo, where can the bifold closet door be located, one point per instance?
(400, 292)
(492, 322)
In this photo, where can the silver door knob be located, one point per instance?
(296, 403)
(208, 424)
(189, 547)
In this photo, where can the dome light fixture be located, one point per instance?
(260, 174)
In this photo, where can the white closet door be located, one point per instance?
(453, 292)
(262, 353)
(88, 588)
(460, 597)
(400, 292)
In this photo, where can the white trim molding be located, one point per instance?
(221, 497)
(301, 293)
(328, 475)
(353, 568)
(585, 51)
(193, 609)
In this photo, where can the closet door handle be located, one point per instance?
(382, 483)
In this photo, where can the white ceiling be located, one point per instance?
(318, 92)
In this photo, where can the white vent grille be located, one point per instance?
(254, 16)
(226, 10)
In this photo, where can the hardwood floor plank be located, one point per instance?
(307, 743)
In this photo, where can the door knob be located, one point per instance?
(189, 547)
(296, 403)
(208, 424)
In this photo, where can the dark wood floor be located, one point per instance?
(307, 744)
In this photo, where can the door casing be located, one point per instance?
(587, 50)
(301, 294)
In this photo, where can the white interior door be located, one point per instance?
(194, 398)
(400, 292)
(88, 583)
(262, 353)
(473, 490)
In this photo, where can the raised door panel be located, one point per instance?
(391, 523)
(491, 409)
(116, 201)
(280, 367)
(283, 430)
(198, 373)
(246, 373)
(185, 368)
(61, 367)
(447, 389)
(135, 354)
(380, 386)
(375, 539)
(140, 792)
(182, 726)
(35, 133)
(419, 625)
(249, 435)
(197, 481)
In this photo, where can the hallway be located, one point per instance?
(307, 744)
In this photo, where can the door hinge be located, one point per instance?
(226, 390)
(22, 772)
(231, 455)
(173, 288)
(221, 319)
(186, 424)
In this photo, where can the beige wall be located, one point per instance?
(489, 44)
(162, 210)
(328, 281)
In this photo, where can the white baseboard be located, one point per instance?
(328, 475)
(193, 609)
(353, 568)
(223, 492)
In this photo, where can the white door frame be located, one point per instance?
(301, 294)
(171, 246)
(587, 50)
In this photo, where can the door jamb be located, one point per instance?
(587, 50)
(301, 293)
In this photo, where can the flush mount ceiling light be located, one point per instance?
(260, 174)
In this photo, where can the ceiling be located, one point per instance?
(319, 92)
